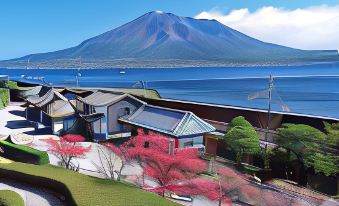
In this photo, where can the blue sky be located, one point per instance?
(41, 26)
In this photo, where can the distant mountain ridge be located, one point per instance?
(161, 37)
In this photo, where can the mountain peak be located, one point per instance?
(159, 12)
(158, 35)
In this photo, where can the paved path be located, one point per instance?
(32, 196)
(12, 120)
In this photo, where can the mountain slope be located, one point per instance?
(158, 36)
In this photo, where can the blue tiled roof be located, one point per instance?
(169, 121)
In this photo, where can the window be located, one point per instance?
(80, 106)
(188, 143)
(97, 126)
(124, 111)
(68, 123)
(127, 111)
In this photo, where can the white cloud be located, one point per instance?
(314, 27)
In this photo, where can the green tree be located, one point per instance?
(331, 149)
(242, 138)
(313, 147)
(332, 131)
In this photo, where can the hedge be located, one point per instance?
(79, 189)
(10, 198)
(24, 154)
(4, 97)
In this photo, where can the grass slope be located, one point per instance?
(88, 190)
(10, 198)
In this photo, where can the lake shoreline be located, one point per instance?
(301, 88)
(152, 65)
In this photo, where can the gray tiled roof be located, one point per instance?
(169, 121)
(60, 106)
(104, 98)
(35, 91)
(50, 96)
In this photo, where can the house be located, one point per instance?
(50, 111)
(114, 115)
(185, 127)
(112, 106)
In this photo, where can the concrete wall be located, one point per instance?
(226, 114)
(116, 111)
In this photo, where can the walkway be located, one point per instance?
(32, 196)
(12, 121)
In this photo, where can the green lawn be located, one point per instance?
(10, 198)
(88, 190)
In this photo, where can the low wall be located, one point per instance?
(225, 114)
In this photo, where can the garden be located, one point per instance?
(74, 188)
(174, 172)
(300, 153)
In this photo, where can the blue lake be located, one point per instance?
(310, 89)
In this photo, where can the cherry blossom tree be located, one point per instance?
(111, 167)
(151, 152)
(67, 148)
(228, 186)
(170, 170)
(179, 173)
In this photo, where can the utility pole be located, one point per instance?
(270, 87)
(268, 126)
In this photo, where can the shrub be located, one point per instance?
(10, 198)
(22, 153)
(4, 97)
(12, 85)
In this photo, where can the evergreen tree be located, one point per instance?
(314, 148)
(242, 138)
